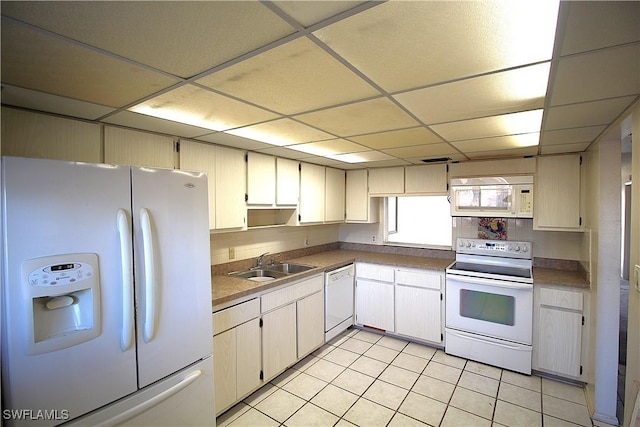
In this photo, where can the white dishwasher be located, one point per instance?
(338, 306)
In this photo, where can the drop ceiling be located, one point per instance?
(348, 84)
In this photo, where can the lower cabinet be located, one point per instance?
(236, 353)
(292, 324)
(558, 331)
(402, 301)
(279, 344)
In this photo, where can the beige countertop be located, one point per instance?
(226, 289)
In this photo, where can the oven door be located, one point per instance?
(493, 308)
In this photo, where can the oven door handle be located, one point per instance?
(490, 282)
(514, 346)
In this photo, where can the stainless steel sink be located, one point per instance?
(259, 275)
(288, 268)
(271, 272)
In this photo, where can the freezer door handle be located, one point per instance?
(149, 275)
(126, 260)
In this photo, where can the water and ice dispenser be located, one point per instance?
(62, 296)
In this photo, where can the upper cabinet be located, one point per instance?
(557, 193)
(426, 179)
(334, 195)
(501, 167)
(386, 181)
(359, 206)
(130, 147)
(312, 193)
(26, 134)
(261, 179)
(225, 169)
(287, 182)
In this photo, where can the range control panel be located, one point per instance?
(502, 248)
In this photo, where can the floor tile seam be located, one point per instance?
(493, 412)
(477, 391)
(402, 387)
(326, 384)
(566, 400)
(268, 416)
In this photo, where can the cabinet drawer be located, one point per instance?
(236, 315)
(375, 272)
(561, 299)
(420, 279)
(292, 293)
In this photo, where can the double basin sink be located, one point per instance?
(271, 272)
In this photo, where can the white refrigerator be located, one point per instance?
(107, 297)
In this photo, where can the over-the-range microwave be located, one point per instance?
(506, 196)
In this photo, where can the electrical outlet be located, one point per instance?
(306, 241)
(232, 253)
(373, 238)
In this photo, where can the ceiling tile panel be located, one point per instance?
(154, 124)
(180, 37)
(361, 157)
(332, 146)
(296, 77)
(423, 151)
(602, 74)
(371, 116)
(308, 13)
(564, 148)
(586, 114)
(397, 138)
(404, 45)
(36, 61)
(571, 136)
(598, 24)
(223, 138)
(517, 152)
(507, 124)
(499, 93)
(507, 142)
(282, 132)
(199, 107)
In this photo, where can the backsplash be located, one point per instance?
(251, 243)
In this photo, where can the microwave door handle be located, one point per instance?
(489, 282)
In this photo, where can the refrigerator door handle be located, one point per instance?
(126, 260)
(149, 275)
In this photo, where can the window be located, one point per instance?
(418, 221)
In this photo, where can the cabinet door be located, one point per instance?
(224, 369)
(249, 357)
(202, 158)
(287, 182)
(425, 179)
(557, 193)
(418, 313)
(312, 189)
(374, 304)
(334, 195)
(310, 323)
(129, 147)
(559, 341)
(279, 349)
(357, 195)
(386, 181)
(261, 179)
(231, 184)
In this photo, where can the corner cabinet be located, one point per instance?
(334, 195)
(312, 194)
(226, 172)
(557, 193)
(359, 207)
(558, 331)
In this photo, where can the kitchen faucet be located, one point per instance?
(259, 260)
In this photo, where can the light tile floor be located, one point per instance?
(366, 379)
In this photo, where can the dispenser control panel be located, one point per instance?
(61, 274)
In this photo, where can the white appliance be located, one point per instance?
(339, 290)
(489, 304)
(107, 297)
(509, 197)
